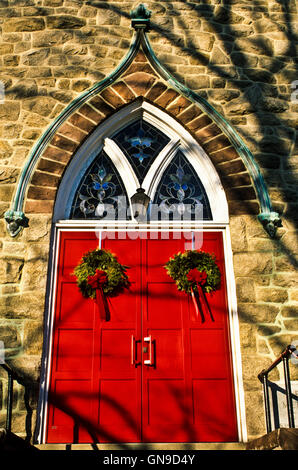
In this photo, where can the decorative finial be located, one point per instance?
(15, 220)
(270, 221)
(140, 17)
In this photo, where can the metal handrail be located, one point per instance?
(11, 377)
(263, 377)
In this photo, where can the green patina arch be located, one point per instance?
(16, 218)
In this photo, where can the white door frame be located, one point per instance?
(179, 139)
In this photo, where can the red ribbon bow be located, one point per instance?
(98, 279)
(199, 278)
(96, 282)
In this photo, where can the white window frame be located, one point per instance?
(180, 139)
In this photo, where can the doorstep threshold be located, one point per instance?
(147, 446)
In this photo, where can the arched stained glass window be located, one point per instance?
(141, 143)
(180, 191)
(101, 193)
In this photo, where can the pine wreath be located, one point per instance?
(104, 260)
(181, 264)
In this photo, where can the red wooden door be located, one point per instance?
(154, 372)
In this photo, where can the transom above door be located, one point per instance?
(154, 372)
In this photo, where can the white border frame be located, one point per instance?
(232, 311)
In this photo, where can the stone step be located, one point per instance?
(151, 447)
(279, 439)
(12, 442)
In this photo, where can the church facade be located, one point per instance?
(153, 133)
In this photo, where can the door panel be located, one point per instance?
(154, 372)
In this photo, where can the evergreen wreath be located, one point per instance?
(181, 264)
(104, 260)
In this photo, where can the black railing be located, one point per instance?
(263, 377)
(11, 377)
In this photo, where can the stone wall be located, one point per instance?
(241, 57)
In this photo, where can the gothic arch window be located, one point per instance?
(141, 143)
(181, 191)
(100, 192)
(141, 146)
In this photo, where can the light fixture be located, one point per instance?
(139, 203)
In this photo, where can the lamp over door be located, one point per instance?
(140, 203)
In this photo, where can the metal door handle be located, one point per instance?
(133, 350)
(149, 362)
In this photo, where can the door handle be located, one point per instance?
(133, 351)
(149, 362)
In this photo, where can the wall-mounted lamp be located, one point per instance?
(140, 203)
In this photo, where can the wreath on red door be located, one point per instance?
(100, 269)
(197, 273)
(99, 274)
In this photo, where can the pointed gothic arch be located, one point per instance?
(175, 139)
(140, 74)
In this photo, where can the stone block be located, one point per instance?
(38, 230)
(51, 38)
(6, 150)
(41, 105)
(238, 234)
(268, 330)
(10, 335)
(166, 98)
(65, 22)
(202, 40)
(56, 154)
(64, 143)
(140, 82)
(286, 264)
(112, 98)
(21, 306)
(246, 264)
(33, 337)
(278, 343)
(272, 294)
(289, 311)
(256, 419)
(11, 269)
(248, 338)
(9, 111)
(245, 290)
(291, 325)
(122, 89)
(23, 24)
(257, 313)
(41, 178)
(51, 166)
(219, 57)
(39, 207)
(36, 57)
(35, 268)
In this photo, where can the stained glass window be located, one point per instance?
(141, 143)
(101, 193)
(181, 190)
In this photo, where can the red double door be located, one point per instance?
(154, 372)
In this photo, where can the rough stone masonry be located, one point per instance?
(241, 57)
